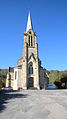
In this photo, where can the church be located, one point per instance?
(28, 73)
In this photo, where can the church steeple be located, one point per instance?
(29, 23)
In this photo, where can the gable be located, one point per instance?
(31, 57)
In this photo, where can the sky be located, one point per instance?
(49, 19)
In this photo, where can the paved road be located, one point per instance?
(33, 104)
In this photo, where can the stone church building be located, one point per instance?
(28, 72)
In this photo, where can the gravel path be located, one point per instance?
(33, 104)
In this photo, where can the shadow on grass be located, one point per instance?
(6, 95)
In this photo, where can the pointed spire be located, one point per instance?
(29, 23)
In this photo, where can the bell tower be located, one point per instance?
(30, 65)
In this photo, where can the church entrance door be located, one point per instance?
(31, 82)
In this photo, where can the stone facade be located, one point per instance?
(28, 72)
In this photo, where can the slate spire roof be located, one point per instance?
(29, 23)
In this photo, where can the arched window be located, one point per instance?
(31, 68)
(15, 75)
(29, 40)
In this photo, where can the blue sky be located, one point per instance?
(49, 19)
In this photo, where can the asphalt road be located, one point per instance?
(33, 104)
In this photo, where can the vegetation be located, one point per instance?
(58, 77)
(3, 74)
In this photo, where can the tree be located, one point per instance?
(64, 80)
(58, 84)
